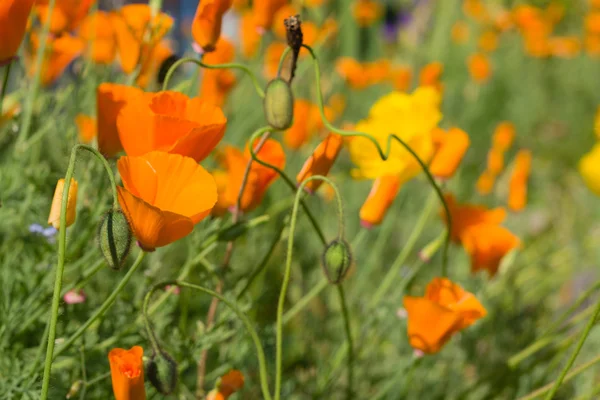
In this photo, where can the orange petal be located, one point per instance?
(381, 197)
(127, 373)
(467, 215)
(231, 382)
(487, 244)
(87, 127)
(321, 161)
(504, 135)
(451, 295)
(13, 23)
(450, 154)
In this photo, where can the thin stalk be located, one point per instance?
(305, 300)
(4, 85)
(348, 329)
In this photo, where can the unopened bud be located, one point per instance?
(337, 259)
(74, 390)
(431, 248)
(162, 372)
(279, 104)
(114, 237)
(54, 217)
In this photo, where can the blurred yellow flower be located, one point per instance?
(411, 117)
(589, 168)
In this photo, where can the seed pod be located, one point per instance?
(114, 237)
(279, 104)
(162, 372)
(337, 259)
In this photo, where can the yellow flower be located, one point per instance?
(54, 217)
(589, 168)
(411, 117)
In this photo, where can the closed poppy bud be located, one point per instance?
(206, 28)
(336, 260)
(86, 126)
(380, 198)
(162, 372)
(480, 67)
(127, 373)
(54, 217)
(495, 161)
(504, 135)
(279, 104)
(485, 183)
(517, 193)
(114, 237)
(449, 155)
(589, 168)
(13, 23)
(320, 162)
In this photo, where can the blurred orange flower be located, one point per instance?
(466, 215)
(227, 385)
(298, 134)
(366, 12)
(382, 195)
(517, 194)
(488, 41)
(284, 12)
(264, 12)
(110, 99)
(353, 72)
(564, 46)
(592, 45)
(206, 28)
(453, 147)
(495, 161)
(152, 62)
(487, 244)
(97, 31)
(434, 318)
(504, 135)
(431, 74)
(249, 36)
(475, 9)
(460, 32)
(60, 52)
(401, 77)
(217, 83)
(480, 67)
(127, 373)
(66, 15)
(485, 183)
(54, 216)
(271, 59)
(86, 126)
(13, 23)
(320, 161)
(164, 196)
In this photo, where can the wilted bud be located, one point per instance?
(114, 237)
(279, 104)
(337, 259)
(54, 217)
(162, 372)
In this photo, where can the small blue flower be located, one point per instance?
(36, 228)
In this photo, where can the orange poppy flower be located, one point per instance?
(378, 71)
(564, 46)
(284, 12)
(13, 23)
(460, 32)
(445, 309)
(259, 177)
(366, 12)
(487, 244)
(66, 15)
(249, 36)
(592, 45)
(54, 217)
(592, 22)
(504, 135)
(60, 52)
(131, 23)
(217, 83)
(86, 126)
(517, 195)
(488, 41)
(110, 99)
(480, 67)
(320, 161)
(382, 195)
(97, 30)
(206, 28)
(594, 3)
(164, 196)
(485, 183)
(264, 12)
(328, 30)
(466, 215)
(401, 77)
(431, 74)
(230, 383)
(170, 122)
(353, 72)
(447, 158)
(299, 132)
(152, 62)
(311, 34)
(475, 9)
(495, 161)
(127, 373)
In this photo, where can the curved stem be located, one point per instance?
(242, 67)
(109, 172)
(385, 154)
(246, 321)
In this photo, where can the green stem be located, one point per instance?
(305, 300)
(242, 67)
(104, 307)
(584, 336)
(385, 154)
(348, 329)
(4, 85)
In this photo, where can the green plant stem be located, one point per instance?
(564, 316)
(305, 300)
(38, 354)
(571, 361)
(348, 329)
(104, 307)
(4, 85)
(242, 67)
(385, 154)
(245, 320)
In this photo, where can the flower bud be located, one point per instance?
(54, 217)
(337, 259)
(114, 237)
(279, 104)
(162, 372)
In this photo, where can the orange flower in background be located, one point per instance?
(495, 161)
(453, 147)
(127, 373)
(382, 195)
(227, 385)
(271, 59)
(152, 62)
(86, 126)
(480, 67)
(460, 32)
(217, 83)
(592, 22)
(366, 12)
(328, 30)
(170, 122)
(54, 217)
(434, 318)
(131, 23)
(488, 41)
(13, 23)
(401, 77)
(378, 71)
(110, 99)
(466, 215)
(475, 9)
(517, 195)
(164, 196)
(503, 137)
(66, 15)
(299, 133)
(249, 36)
(320, 161)
(592, 45)
(264, 12)
(206, 28)
(487, 244)
(564, 46)
(353, 72)
(431, 74)
(259, 179)
(284, 12)
(97, 30)
(60, 52)
(485, 183)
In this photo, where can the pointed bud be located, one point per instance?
(114, 237)
(54, 217)
(279, 104)
(337, 259)
(162, 372)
